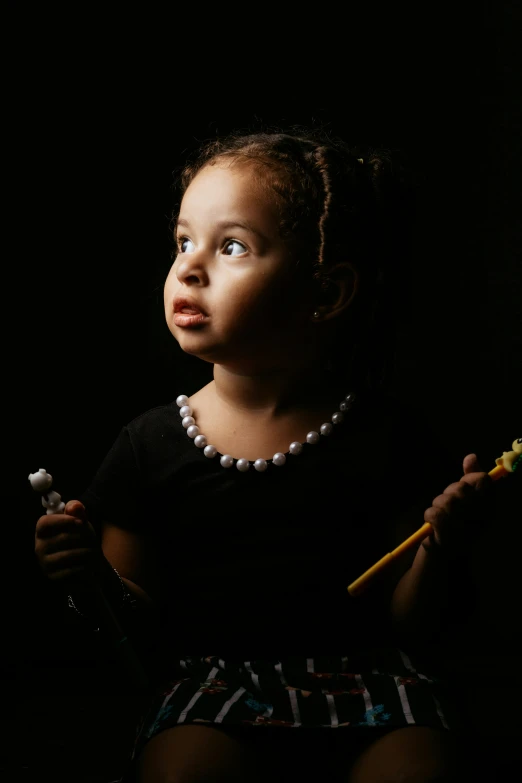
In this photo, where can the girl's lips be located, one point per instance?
(187, 303)
(189, 319)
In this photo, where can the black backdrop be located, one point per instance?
(89, 188)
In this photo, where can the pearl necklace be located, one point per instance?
(260, 465)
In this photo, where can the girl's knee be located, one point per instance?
(416, 754)
(189, 753)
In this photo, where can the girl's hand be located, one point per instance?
(455, 514)
(67, 547)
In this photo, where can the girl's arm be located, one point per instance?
(432, 592)
(439, 587)
(131, 555)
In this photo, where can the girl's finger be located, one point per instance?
(434, 515)
(458, 488)
(51, 525)
(64, 542)
(67, 574)
(445, 502)
(61, 560)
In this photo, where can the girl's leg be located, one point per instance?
(415, 754)
(191, 753)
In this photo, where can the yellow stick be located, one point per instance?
(360, 584)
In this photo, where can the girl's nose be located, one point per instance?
(192, 267)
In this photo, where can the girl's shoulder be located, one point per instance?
(158, 417)
(388, 412)
(396, 413)
(158, 412)
(408, 436)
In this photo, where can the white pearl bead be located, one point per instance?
(227, 461)
(295, 447)
(312, 437)
(186, 410)
(343, 406)
(326, 428)
(337, 417)
(192, 431)
(181, 400)
(260, 465)
(242, 465)
(188, 420)
(279, 458)
(350, 398)
(210, 451)
(200, 441)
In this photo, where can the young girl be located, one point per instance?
(239, 515)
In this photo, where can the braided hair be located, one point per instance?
(336, 204)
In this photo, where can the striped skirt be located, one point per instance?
(320, 692)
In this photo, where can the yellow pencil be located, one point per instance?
(505, 464)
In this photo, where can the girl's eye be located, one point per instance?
(182, 245)
(229, 246)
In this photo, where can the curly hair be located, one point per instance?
(338, 204)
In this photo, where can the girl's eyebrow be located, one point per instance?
(227, 224)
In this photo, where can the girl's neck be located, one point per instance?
(236, 426)
(269, 397)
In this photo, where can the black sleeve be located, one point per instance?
(115, 494)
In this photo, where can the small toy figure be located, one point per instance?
(41, 482)
(510, 460)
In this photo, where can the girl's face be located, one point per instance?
(233, 263)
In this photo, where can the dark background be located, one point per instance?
(88, 179)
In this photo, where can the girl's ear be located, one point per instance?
(342, 286)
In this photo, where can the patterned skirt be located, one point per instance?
(320, 692)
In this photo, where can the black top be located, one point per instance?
(257, 564)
